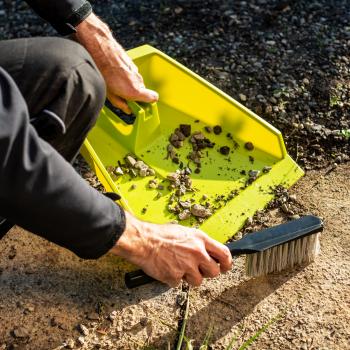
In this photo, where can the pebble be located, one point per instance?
(113, 315)
(266, 169)
(200, 211)
(81, 340)
(185, 129)
(217, 129)
(130, 160)
(249, 146)
(70, 343)
(84, 330)
(225, 150)
(20, 332)
(242, 97)
(186, 214)
(118, 171)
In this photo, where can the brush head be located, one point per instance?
(284, 256)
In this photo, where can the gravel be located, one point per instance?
(287, 61)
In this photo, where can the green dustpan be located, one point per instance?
(185, 98)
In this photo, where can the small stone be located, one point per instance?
(254, 173)
(249, 146)
(173, 138)
(173, 177)
(143, 172)
(84, 330)
(130, 160)
(81, 340)
(118, 171)
(204, 197)
(152, 184)
(20, 332)
(217, 129)
(306, 81)
(225, 150)
(228, 318)
(140, 165)
(113, 315)
(70, 343)
(150, 172)
(180, 135)
(197, 170)
(133, 187)
(295, 217)
(285, 208)
(242, 97)
(175, 160)
(249, 221)
(208, 129)
(178, 144)
(200, 211)
(185, 129)
(266, 169)
(198, 136)
(293, 197)
(185, 204)
(178, 10)
(160, 187)
(186, 214)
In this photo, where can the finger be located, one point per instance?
(219, 252)
(119, 103)
(194, 278)
(146, 95)
(209, 268)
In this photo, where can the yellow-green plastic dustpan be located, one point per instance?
(186, 98)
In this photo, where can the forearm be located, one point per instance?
(98, 40)
(41, 192)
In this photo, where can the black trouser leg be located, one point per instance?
(61, 85)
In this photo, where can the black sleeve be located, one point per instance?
(41, 191)
(64, 15)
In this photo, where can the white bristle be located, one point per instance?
(284, 256)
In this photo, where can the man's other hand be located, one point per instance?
(170, 253)
(121, 75)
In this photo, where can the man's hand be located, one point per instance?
(122, 78)
(170, 253)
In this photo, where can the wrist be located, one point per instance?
(91, 27)
(133, 242)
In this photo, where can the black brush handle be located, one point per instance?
(251, 243)
(137, 278)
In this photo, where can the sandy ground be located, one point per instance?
(46, 293)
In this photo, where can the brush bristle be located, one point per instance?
(284, 256)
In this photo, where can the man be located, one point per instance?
(51, 91)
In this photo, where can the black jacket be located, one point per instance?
(39, 190)
(64, 15)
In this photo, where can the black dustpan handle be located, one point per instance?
(305, 225)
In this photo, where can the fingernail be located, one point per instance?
(154, 95)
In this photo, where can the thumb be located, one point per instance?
(146, 95)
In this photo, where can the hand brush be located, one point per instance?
(270, 250)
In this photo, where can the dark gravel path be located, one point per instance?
(287, 60)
